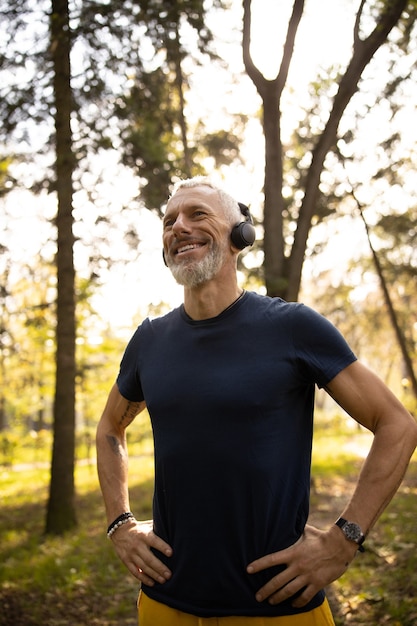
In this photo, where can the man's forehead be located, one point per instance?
(201, 194)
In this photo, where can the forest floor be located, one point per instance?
(77, 580)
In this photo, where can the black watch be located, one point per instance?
(352, 532)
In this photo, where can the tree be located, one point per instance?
(284, 260)
(61, 515)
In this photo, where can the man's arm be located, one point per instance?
(362, 394)
(319, 557)
(133, 539)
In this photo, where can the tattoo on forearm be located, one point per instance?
(115, 445)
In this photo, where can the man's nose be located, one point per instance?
(181, 224)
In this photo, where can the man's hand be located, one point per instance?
(315, 560)
(133, 542)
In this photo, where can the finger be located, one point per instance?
(144, 578)
(153, 567)
(267, 561)
(153, 575)
(304, 598)
(295, 586)
(275, 584)
(147, 574)
(159, 544)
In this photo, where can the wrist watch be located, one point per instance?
(352, 532)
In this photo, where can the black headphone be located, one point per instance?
(243, 234)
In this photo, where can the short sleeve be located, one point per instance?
(321, 348)
(128, 379)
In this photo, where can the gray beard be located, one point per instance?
(194, 273)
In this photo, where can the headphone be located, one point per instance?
(243, 234)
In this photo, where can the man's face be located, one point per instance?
(195, 235)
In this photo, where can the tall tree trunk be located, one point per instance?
(274, 250)
(179, 84)
(61, 507)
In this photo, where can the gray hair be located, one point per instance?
(230, 205)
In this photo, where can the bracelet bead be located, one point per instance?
(119, 521)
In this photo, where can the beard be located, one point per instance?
(194, 273)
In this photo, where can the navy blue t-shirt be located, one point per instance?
(231, 405)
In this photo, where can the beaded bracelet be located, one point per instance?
(119, 521)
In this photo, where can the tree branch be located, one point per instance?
(388, 301)
(253, 72)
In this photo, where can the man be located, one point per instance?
(228, 379)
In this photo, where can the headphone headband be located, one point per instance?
(245, 212)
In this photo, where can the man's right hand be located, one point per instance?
(133, 542)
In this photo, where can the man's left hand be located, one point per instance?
(314, 561)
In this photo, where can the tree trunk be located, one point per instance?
(61, 507)
(274, 252)
(179, 84)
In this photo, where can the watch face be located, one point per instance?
(352, 531)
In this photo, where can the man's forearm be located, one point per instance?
(112, 467)
(382, 473)
(112, 456)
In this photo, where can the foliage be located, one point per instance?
(27, 351)
(27, 345)
(6, 179)
(157, 140)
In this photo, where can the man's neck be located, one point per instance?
(210, 299)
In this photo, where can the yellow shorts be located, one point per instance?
(153, 613)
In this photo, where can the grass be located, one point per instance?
(78, 580)
(75, 579)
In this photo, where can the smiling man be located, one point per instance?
(228, 379)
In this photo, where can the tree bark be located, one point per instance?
(61, 507)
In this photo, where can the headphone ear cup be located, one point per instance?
(243, 235)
